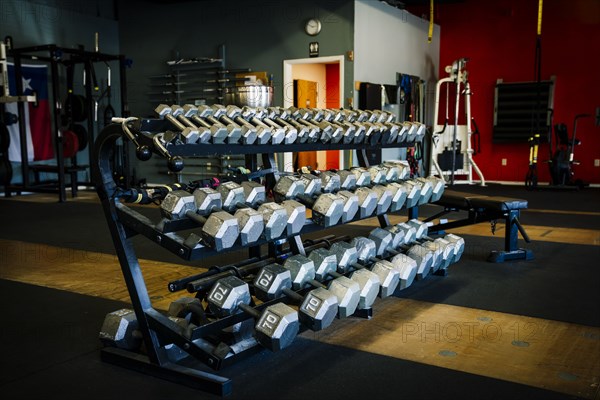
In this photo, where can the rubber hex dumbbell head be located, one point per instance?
(177, 203)
(426, 190)
(346, 255)
(206, 199)
(438, 186)
(251, 225)
(391, 172)
(330, 182)
(407, 268)
(162, 110)
(418, 186)
(449, 250)
(409, 232)
(312, 184)
(398, 196)
(397, 235)
(270, 282)
(388, 276)
(232, 194)
(302, 269)
(347, 292)
(377, 175)
(369, 287)
(459, 242)
(277, 327)
(254, 193)
(382, 239)
(384, 199)
(436, 253)
(347, 179)
(421, 228)
(120, 329)
(413, 192)
(327, 210)
(319, 309)
(296, 216)
(366, 249)
(367, 202)
(226, 295)
(275, 219)
(363, 177)
(221, 230)
(288, 187)
(350, 205)
(424, 259)
(325, 263)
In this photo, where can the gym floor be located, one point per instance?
(512, 330)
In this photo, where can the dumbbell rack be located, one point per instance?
(158, 330)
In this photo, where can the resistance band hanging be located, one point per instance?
(531, 178)
(430, 33)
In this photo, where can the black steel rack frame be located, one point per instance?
(55, 56)
(124, 222)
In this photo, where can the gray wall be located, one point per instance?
(258, 35)
(66, 23)
(388, 40)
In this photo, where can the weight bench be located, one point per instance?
(482, 209)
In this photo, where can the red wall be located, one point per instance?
(332, 100)
(498, 37)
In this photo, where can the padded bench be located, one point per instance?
(482, 208)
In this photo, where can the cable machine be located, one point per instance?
(451, 151)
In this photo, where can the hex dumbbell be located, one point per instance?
(276, 327)
(262, 135)
(253, 194)
(248, 136)
(313, 185)
(327, 208)
(255, 116)
(218, 132)
(187, 133)
(220, 229)
(317, 309)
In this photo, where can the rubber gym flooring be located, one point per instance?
(513, 330)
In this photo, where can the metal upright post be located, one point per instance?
(62, 191)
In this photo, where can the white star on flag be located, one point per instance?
(26, 85)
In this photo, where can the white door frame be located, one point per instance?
(288, 84)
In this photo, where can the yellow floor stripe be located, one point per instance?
(546, 354)
(565, 212)
(86, 272)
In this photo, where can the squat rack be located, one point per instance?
(53, 55)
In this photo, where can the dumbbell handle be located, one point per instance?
(175, 122)
(205, 283)
(227, 120)
(184, 120)
(180, 284)
(199, 219)
(293, 295)
(249, 310)
(200, 122)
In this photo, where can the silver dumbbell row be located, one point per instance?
(219, 124)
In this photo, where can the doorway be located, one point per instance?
(318, 82)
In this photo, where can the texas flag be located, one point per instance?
(37, 116)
